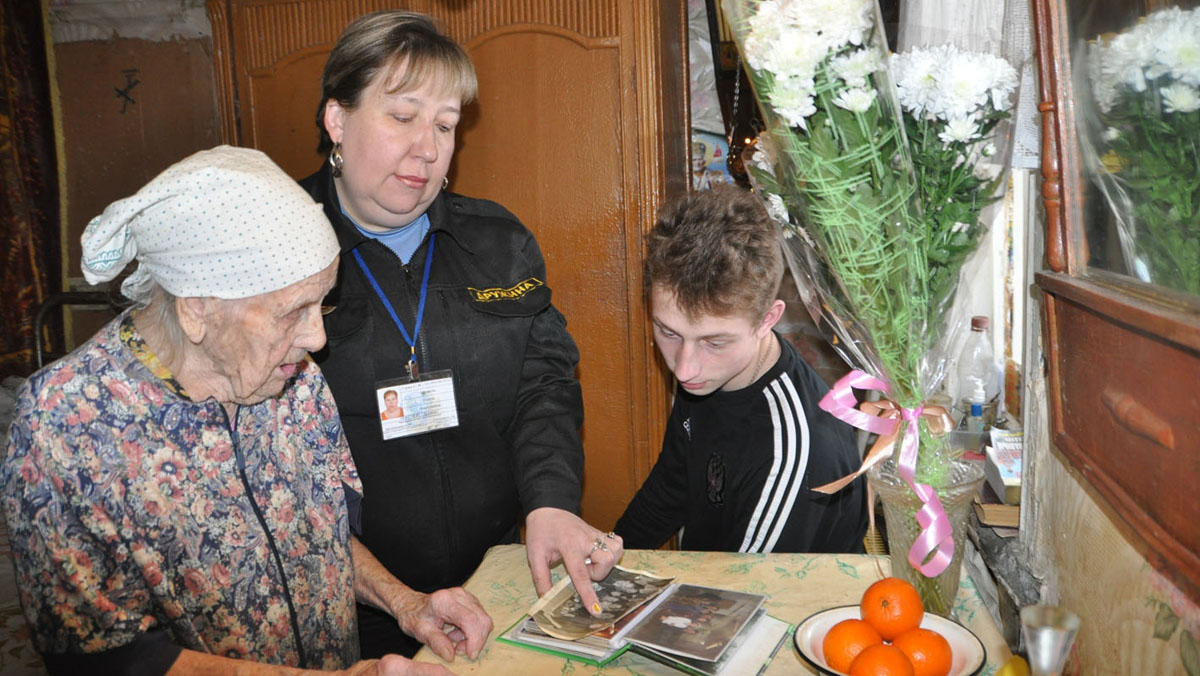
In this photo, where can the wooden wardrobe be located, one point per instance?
(580, 130)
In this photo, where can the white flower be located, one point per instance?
(792, 101)
(962, 91)
(1180, 98)
(1177, 49)
(795, 57)
(946, 82)
(959, 226)
(1124, 58)
(765, 28)
(776, 208)
(763, 157)
(1159, 52)
(1111, 134)
(1003, 80)
(835, 22)
(989, 150)
(855, 100)
(855, 67)
(915, 79)
(959, 130)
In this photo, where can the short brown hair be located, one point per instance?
(718, 252)
(380, 43)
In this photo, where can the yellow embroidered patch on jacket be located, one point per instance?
(515, 292)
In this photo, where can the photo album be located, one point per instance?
(695, 629)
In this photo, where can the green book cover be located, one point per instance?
(524, 637)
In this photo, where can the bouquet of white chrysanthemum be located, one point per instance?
(1142, 143)
(878, 190)
(953, 100)
(840, 169)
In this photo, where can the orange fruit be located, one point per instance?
(845, 640)
(928, 651)
(892, 606)
(881, 660)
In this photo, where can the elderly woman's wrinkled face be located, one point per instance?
(257, 344)
(396, 148)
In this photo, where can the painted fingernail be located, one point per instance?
(595, 607)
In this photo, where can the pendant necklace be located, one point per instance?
(762, 357)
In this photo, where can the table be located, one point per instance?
(796, 585)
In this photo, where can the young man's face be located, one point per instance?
(709, 353)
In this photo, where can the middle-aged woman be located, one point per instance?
(176, 487)
(443, 297)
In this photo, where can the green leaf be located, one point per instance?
(1165, 622)
(847, 569)
(1189, 653)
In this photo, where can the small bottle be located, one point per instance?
(977, 376)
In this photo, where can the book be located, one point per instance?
(693, 621)
(695, 629)
(992, 512)
(525, 633)
(749, 654)
(1002, 465)
(561, 614)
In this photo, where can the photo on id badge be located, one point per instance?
(408, 407)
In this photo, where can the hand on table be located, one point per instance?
(394, 665)
(448, 621)
(553, 535)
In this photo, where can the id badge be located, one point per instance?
(410, 406)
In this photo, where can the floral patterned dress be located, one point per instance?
(134, 509)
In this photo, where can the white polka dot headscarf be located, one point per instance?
(225, 222)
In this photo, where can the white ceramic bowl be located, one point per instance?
(969, 654)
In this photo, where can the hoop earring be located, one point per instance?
(445, 182)
(335, 160)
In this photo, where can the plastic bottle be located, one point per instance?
(977, 377)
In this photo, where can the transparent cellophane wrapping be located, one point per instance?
(869, 268)
(1137, 95)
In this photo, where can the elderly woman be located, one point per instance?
(442, 296)
(177, 487)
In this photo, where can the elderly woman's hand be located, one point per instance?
(553, 535)
(448, 621)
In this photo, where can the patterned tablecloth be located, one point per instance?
(796, 585)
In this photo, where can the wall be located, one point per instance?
(1133, 620)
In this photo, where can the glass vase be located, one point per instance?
(963, 478)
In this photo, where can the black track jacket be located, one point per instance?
(737, 471)
(433, 503)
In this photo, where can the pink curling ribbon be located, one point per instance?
(888, 420)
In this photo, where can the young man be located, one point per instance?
(746, 442)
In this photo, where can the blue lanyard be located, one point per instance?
(412, 342)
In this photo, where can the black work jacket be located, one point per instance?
(433, 503)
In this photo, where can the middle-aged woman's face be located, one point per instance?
(257, 344)
(397, 148)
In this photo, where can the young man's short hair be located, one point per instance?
(718, 252)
